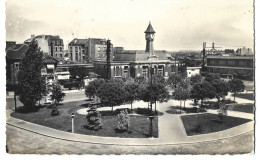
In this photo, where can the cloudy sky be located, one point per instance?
(179, 24)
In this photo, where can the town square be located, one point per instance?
(147, 88)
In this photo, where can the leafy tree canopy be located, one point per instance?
(203, 90)
(31, 84)
(111, 93)
(56, 94)
(79, 71)
(222, 88)
(91, 89)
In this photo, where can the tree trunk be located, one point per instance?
(201, 106)
(155, 106)
(180, 103)
(234, 96)
(148, 106)
(184, 103)
(112, 108)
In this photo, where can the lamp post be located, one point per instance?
(72, 122)
(151, 117)
(151, 126)
(151, 83)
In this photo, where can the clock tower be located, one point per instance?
(149, 36)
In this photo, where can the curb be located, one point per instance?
(166, 144)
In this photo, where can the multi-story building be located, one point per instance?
(97, 48)
(51, 45)
(77, 50)
(88, 50)
(242, 66)
(244, 51)
(14, 58)
(138, 63)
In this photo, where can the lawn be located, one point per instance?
(208, 123)
(139, 125)
(249, 96)
(246, 107)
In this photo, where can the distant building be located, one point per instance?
(88, 50)
(51, 45)
(244, 51)
(242, 66)
(192, 71)
(77, 50)
(138, 63)
(14, 58)
(96, 49)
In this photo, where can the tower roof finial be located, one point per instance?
(149, 28)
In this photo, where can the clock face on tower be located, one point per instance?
(149, 36)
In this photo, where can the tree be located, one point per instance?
(79, 71)
(195, 79)
(182, 92)
(211, 76)
(132, 92)
(153, 93)
(203, 90)
(31, 84)
(174, 80)
(91, 89)
(111, 93)
(222, 111)
(221, 88)
(57, 95)
(236, 85)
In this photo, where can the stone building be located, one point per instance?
(88, 50)
(138, 63)
(14, 58)
(51, 45)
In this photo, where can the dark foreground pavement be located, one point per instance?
(20, 141)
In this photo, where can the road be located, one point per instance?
(20, 141)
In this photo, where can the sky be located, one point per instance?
(179, 24)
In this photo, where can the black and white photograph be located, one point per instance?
(129, 77)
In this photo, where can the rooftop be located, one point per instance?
(149, 29)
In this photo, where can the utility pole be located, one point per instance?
(204, 54)
(15, 91)
(108, 58)
(151, 83)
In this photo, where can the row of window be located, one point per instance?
(58, 49)
(118, 72)
(227, 62)
(77, 49)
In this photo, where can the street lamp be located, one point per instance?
(72, 122)
(151, 83)
(151, 126)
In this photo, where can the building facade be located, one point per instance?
(14, 59)
(77, 50)
(139, 63)
(51, 45)
(243, 66)
(97, 48)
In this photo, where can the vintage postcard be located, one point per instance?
(171, 77)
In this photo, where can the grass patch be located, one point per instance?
(180, 110)
(208, 123)
(249, 96)
(246, 107)
(139, 125)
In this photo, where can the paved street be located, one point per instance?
(24, 142)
